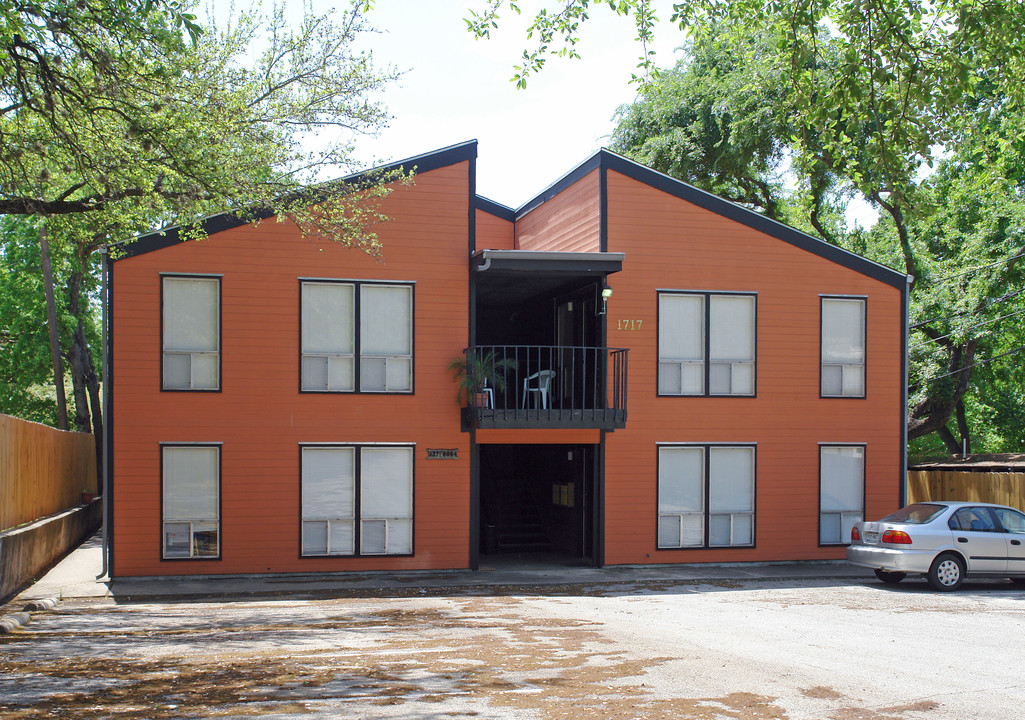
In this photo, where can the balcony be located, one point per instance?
(545, 386)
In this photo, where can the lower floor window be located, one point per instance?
(841, 491)
(357, 500)
(706, 496)
(191, 501)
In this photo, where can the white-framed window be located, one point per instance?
(357, 337)
(191, 332)
(841, 491)
(706, 344)
(706, 496)
(843, 347)
(357, 500)
(190, 502)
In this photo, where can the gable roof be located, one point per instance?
(166, 237)
(605, 160)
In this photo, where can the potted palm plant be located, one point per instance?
(476, 371)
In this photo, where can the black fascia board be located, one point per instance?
(750, 218)
(159, 239)
(539, 262)
(491, 207)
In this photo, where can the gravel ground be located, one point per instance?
(798, 650)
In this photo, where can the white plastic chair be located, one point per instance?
(544, 384)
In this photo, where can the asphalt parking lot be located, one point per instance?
(840, 648)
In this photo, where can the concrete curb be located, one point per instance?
(16, 620)
(40, 605)
(13, 621)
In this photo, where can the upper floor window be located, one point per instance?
(706, 496)
(357, 335)
(843, 347)
(191, 333)
(706, 344)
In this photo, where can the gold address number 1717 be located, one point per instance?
(628, 324)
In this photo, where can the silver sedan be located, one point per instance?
(945, 541)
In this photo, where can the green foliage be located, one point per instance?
(26, 373)
(475, 370)
(109, 110)
(848, 97)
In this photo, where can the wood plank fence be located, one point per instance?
(1004, 488)
(42, 470)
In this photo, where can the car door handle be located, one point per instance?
(962, 539)
(1016, 542)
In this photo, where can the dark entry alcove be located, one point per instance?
(536, 499)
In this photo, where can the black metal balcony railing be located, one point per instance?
(547, 386)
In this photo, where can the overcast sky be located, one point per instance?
(456, 88)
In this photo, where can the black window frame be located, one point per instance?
(707, 340)
(864, 490)
(220, 329)
(357, 351)
(706, 513)
(357, 498)
(219, 446)
(864, 363)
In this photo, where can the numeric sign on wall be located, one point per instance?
(628, 324)
(443, 454)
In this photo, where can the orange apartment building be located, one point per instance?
(684, 381)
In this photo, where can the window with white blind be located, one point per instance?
(843, 347)
(328, 340)
(841, 491)
(706, 496)
(191, 333)
(706, 344)
(190, 503)
(357, 500)
(357, 337)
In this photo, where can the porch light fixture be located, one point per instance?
(606, 293)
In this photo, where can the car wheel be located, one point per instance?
(947, 572)
(889, 577)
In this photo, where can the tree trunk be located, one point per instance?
(953, 447)
(962, 427)
(51, 319)
(89, 414)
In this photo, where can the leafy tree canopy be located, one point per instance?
(129, 109)
(853, 97)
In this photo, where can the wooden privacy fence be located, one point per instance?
(1005, 488)
(42, 470)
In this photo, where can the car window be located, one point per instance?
(972, 518)
(915, 514)
(1012, 520)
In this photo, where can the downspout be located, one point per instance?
(904, 394)
(104, 489)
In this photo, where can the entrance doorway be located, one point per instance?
(536, 500)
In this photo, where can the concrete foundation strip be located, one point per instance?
(13, 621)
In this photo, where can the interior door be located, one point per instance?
(575, 328)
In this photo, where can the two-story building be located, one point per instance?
(675, 379)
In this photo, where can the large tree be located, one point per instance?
(119, 116)
(850, 96)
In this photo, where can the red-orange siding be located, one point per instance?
(260, 416)
(569, 222)
(494, 233)
(672, 244)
